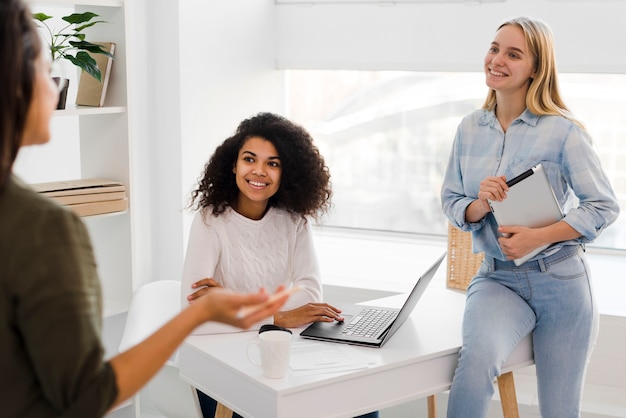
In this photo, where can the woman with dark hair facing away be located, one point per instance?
(254, 202)
(51, 355)
(524, 122)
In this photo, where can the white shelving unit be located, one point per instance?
(103, 138)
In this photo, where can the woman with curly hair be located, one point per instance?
(305, 184)
(251, 229)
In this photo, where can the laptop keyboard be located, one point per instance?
(369, 323)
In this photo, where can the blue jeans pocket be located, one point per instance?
(572, 267)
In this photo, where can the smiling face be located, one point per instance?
(257, 174)
(509, 66)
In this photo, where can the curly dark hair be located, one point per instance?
(305, 187)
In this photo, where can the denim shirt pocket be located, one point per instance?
(556, 179)
(518, 166)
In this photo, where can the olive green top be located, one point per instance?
(51, 355)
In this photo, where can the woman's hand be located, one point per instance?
(311, 312)
(517, 241)
(491, 188)
(203, 286)
(239, 310)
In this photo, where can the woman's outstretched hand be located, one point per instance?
(239, 310)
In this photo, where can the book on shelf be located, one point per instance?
(92, 92)
(99, 208)
(86, 196)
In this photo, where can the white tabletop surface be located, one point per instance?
(419, 360)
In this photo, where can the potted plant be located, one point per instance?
(69, 43)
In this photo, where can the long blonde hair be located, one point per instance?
(543, 96)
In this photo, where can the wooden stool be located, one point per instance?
(223, 412)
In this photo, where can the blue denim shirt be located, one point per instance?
(481, 149)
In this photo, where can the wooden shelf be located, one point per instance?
(106, 215)
(102, 3)
(88, 110)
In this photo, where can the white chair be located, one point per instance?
(152, 306)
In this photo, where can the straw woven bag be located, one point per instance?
(462, 263)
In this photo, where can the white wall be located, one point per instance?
(154, 114)
(443, 37)
(227, 74)
(197, 69)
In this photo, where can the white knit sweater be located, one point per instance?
(244, 255)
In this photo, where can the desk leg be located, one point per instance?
(506, 386)
(223, 412)
(432, 406)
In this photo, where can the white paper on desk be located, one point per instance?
(314, 357)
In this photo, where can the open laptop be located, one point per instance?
(530, 202)
(385, 321)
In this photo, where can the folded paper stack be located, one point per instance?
(86, 197)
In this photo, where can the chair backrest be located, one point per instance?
(462, 263)
(153, 305)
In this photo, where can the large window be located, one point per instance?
(386, 136)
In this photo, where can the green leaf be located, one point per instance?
(61, 38)
(89, 47)
(57, 49)
(41, 17)
(86, 63)
(76, 18)
(79, 36)
(81, 28)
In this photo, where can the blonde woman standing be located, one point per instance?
(522, 123)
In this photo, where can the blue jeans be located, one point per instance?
(208, 406)
(550, 298)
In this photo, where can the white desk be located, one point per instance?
(418, 361)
